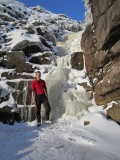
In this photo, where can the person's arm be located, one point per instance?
(33, 98)
(46, 90)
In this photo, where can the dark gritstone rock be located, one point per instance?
(44, 42)
(114, 113)
(32, 48)
(77, 61)
(5, 98)
(28, 47)
(7, 116)
(22, 96)
(42, 59)
(28, 113)
(15, 76)
(89, 49)
(22, 91)
(86, 123)
(24, 67)
(48, 35)
(39, 60)
(14, 58)
(101, 47)
(19, 46)
(86, 87)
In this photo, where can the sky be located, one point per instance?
(72, 8)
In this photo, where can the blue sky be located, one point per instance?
(73, 8)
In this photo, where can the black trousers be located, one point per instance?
(42, 98)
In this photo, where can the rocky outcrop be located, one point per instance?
(100, 44)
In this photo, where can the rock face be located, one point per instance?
(100, 44)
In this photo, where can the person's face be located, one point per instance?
(38, 76)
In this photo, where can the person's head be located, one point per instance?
(38, 75)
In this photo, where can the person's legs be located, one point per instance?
(47, 107)
(38, 109)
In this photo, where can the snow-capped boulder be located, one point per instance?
(28, 47)
(43, 58)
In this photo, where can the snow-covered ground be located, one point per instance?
(62, 140)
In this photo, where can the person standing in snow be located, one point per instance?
(39, 96)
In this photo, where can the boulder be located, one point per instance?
(32, 48)
(45, 58)
(114, 112)
(19, 46)
(77, 61)
(39, 60)
(7, 116)
(86, 87)
(28, 47)
(14, 58)
(24, 67)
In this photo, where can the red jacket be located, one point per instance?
(38, 86)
